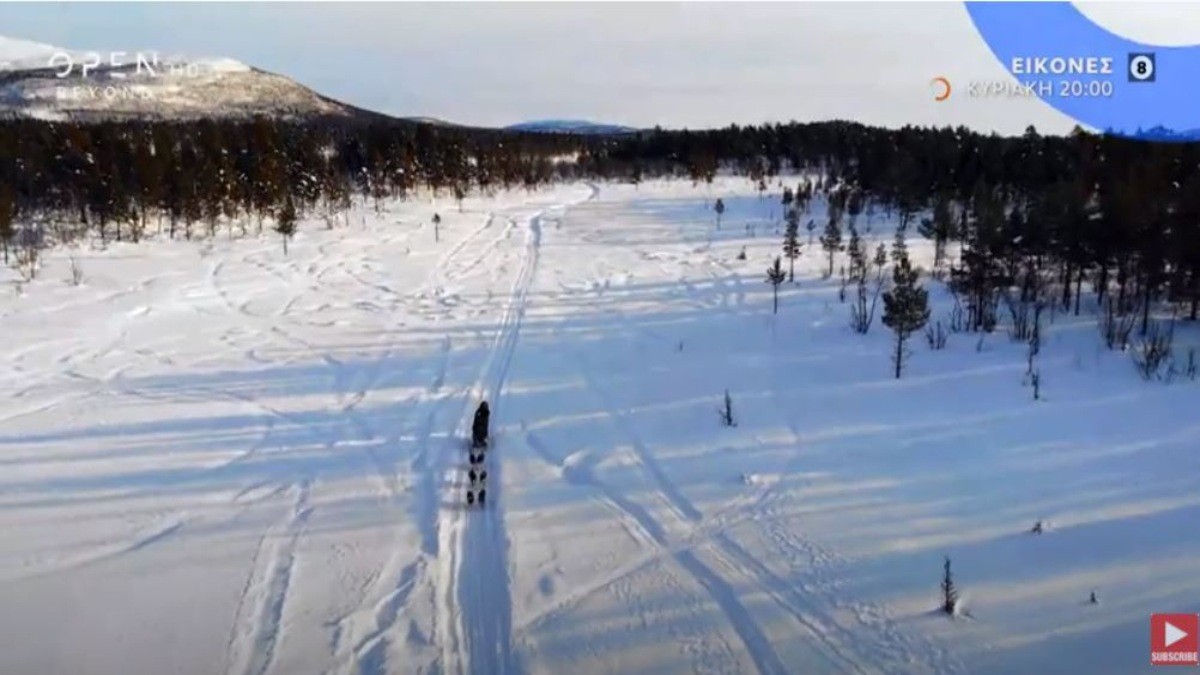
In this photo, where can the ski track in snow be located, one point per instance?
(260, 615)
(481, 639)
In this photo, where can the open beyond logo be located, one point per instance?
(1174, 639)
(118, 64)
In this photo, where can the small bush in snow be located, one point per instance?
(727, 411)
(1187, 370)
(1152, 352)
(27, 259)
(862, 312)
(958, 318)
(1116, 326)
(936, 335)
(1026, 317)
(76, 272)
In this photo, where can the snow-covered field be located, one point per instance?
(217, 459)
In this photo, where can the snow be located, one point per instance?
(218, 459)
(17, 54)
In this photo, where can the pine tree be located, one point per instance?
(949, 591)
(775, 277)
(900, 244)
(880, 259)
(7, 216)
(857, 254)
(791, 242)
(939, 228)
(285, 222)
(854, 206)
(905, 308)
(831, 240)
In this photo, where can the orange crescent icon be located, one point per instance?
(946, 89)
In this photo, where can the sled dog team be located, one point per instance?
(477, 475)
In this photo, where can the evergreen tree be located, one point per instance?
(791, 242)
(880, 260)
(905, 308)
(854, 206)
(949, 591)
(775, 277)
(857, 254)
(7, 218)
(939, 229)
(900, 244)
(831, 240)
(285, 223)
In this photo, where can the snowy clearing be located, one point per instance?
(218, 459)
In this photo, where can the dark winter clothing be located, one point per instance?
(479, 430)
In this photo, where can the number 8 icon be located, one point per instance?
(1141, 67)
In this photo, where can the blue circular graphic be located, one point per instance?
(1100, 79)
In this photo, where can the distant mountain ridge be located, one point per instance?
(585, 127)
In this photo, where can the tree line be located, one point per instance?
(1030, 214)
(1117, 218)
(122, 180)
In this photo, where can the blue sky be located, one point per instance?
(694, 65)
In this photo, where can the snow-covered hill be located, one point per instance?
(215, 458)
(18, 54)
(43, 81)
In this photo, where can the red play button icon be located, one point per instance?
(1174, 639)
